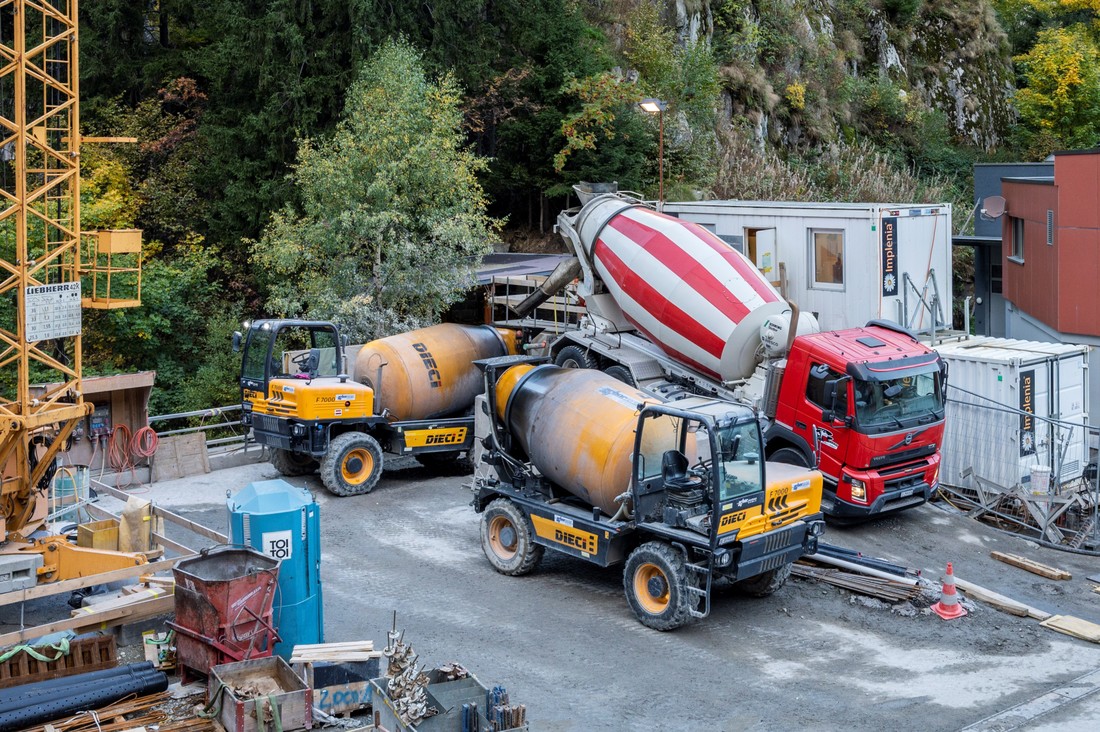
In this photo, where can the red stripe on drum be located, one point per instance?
(681, 263)
(740, 262)
(656, 305)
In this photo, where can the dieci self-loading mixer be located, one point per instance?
(577, 461)
(408, 394)
(674, 310)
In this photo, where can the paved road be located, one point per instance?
(813, 657)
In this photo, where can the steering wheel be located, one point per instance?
(301, 359)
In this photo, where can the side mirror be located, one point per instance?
(238, 338)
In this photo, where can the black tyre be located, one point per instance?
(765, 584)
(291, 463)
(575, 357)
(789, 455)
(507, 540)
(622, 373)
(458, 461)
(656, 583)
(352, 465)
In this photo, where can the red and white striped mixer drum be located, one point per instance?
(694, 296)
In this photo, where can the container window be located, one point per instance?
(1050, 228)
(827, 259)
(1017, 239)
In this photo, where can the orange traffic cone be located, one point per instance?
(948, 607)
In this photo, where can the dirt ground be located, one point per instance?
(564, 642)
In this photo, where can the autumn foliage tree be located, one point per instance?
(1061, 103)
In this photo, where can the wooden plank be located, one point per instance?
(1032, 566)
(366, 645)
(56, 588)
(338, 657)
(1076, 627)
(107, 619)
(1000, 601)
(123, 601)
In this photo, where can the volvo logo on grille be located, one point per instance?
(907, 440)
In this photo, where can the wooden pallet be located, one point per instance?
(86, 654)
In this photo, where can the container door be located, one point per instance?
(1070, 408)
(762, 251)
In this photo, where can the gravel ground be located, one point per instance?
(564, 641)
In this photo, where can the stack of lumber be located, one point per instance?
(335, 652)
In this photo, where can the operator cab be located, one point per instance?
(317, 347)
(692, 457)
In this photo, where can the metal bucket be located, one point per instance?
(223, 606)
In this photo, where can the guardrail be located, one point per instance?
(224, 423)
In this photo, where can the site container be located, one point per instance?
(1013, 405)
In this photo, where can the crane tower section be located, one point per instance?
(40, 292)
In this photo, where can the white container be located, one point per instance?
(994, 385)
(847, 263)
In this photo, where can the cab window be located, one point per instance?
(817, 388)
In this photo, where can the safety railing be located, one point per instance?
(221, 426)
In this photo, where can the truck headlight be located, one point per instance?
(723, 558)
(298, 430)
(817, 528)
(859, 490)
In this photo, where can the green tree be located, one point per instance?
(1062, 100)
(392, 217)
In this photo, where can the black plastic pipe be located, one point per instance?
(18, 696)
(78, 699)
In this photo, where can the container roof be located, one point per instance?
(1008, 350)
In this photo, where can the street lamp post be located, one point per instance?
(656, 106)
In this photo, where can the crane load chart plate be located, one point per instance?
(53, 311)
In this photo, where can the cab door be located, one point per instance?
(829, 437)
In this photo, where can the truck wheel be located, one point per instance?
(622, 373)
(291, 463)
(352, 465)
(457, 460)
(790, 456)
(506, 539)
(765, 584)
(656, 583)
(575, 357)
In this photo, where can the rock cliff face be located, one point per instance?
(803, 72)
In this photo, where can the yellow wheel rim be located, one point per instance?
(503, 546)
(646, 577)
(357, 466)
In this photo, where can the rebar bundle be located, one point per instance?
(408, 684)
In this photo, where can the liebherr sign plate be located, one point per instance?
(53, 311)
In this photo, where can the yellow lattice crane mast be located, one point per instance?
(41, 273)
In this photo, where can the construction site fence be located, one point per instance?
(1031, 474)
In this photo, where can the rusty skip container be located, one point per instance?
(223, 605)
(577, 426)
(429, 373)
(260, 694)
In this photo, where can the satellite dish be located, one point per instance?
(994, 207)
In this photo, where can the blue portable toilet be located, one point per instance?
(284, 523)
